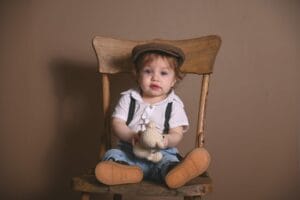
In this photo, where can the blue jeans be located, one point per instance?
(152, 171)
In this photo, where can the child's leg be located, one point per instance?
(159, 170)
(195, 163)
(110, 172)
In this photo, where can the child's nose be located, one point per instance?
(155, 76)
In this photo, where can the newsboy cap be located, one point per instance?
(159, 48)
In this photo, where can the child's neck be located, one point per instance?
(153, 100)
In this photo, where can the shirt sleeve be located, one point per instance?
(122, 107)
(178, 117)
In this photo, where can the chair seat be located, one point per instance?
(199, 186)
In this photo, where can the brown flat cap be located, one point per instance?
(160, 48)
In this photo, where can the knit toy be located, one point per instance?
(149, 144)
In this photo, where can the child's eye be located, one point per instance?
(163, 73)
(147, 71)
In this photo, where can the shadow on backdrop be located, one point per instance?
(79, 123)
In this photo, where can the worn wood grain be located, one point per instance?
(114, 55)
(106, 135)
(85, 196)
(88, 183)
(201, 112)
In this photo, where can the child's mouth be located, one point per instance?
(154, 87)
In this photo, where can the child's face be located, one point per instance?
(156, 79)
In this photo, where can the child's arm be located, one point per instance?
(122, 131)
(173, 137)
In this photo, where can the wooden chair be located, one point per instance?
(114, 57)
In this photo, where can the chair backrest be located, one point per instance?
(114, 56)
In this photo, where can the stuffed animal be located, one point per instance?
(149, 144)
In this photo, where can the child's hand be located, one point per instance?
(164, 143)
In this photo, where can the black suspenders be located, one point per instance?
(167, 114)
(131, 110)
(167, 117)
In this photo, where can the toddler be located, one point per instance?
(157, 69)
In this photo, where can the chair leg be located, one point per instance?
(192, 198)
(117, 197)
(85, 196)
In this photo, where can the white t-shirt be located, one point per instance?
(144, 112)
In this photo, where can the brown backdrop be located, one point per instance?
(50, 113)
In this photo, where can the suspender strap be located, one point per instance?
(131, 110)
(167, 117)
